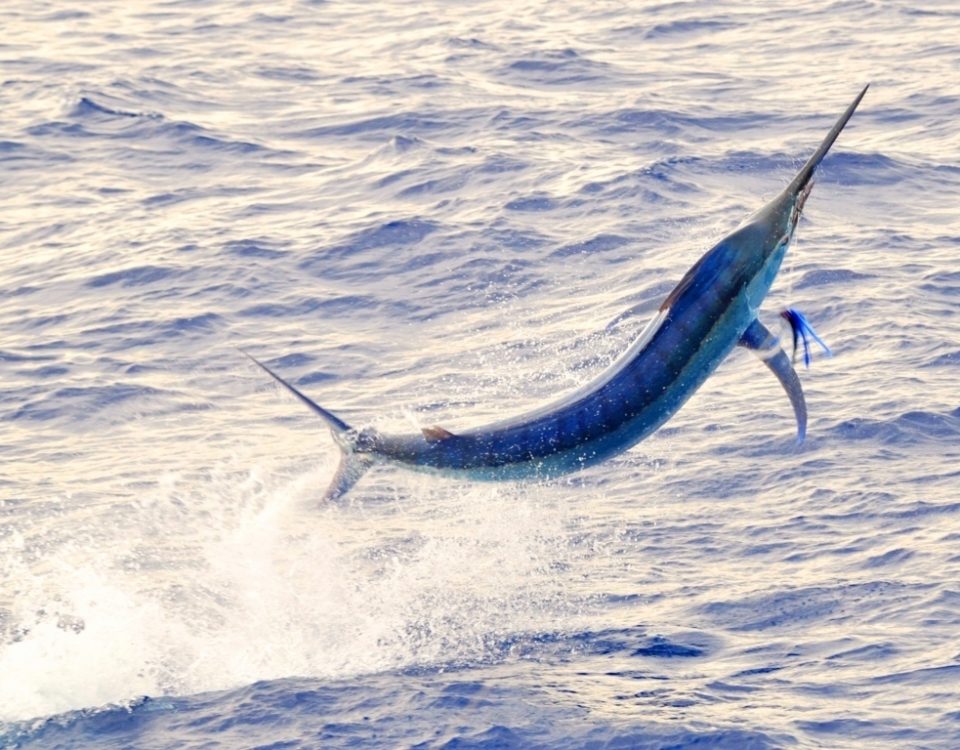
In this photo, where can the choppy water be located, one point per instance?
(439, 214)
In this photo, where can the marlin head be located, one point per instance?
(747, 259)
(767, 233)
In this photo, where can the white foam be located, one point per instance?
(218, 583)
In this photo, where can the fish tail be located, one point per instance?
(352, 465)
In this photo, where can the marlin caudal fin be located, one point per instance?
(806, 172)
(767, 346)
(334, 422)
(352, 466)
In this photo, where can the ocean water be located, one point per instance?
(442, 213)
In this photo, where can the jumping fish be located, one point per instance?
(712, 310)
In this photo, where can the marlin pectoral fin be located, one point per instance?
(435, 434)
(767, 346)
(803, 331)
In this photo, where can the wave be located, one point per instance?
(908, 429)
(463, 713)
(90, 118)
(84, 400)
(560, 67)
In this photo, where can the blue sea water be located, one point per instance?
(445, 213)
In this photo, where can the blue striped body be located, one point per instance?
(698, 325)
(712, 309)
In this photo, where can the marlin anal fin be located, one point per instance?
(803, 331)
(767, 346)
(436, 434)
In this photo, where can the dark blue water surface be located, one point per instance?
(446, 214)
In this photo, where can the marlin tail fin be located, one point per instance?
(352, 465)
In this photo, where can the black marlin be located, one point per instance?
(712, 310)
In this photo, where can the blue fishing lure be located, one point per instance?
(803, 331)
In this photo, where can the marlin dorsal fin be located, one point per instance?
(436, 434)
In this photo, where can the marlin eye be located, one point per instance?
(801, 200)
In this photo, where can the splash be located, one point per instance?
(212, 582)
